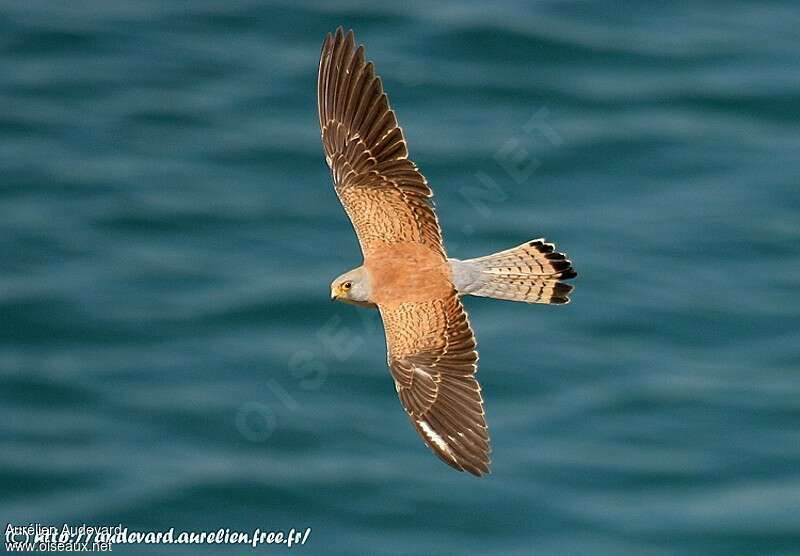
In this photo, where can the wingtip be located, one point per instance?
(340, 32)
(476, 471)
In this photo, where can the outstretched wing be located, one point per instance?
(383, 193)
(432, 358)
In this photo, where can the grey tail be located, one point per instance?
(531, 273)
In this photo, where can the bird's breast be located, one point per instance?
(407, 272)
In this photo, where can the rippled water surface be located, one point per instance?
(168, 231)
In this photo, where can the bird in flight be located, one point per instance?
(406, 273)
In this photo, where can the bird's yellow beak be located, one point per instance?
(334, 293)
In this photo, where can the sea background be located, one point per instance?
(169, 356)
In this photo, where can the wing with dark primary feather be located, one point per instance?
(432, 358)
(383, 193)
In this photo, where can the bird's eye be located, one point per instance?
(347, 285)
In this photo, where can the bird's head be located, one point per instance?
(352, 287)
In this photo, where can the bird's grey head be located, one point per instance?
(352, 287)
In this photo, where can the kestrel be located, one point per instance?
(406, 273)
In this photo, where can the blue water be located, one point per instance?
(168, 231)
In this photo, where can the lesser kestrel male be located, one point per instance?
(406, 273)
